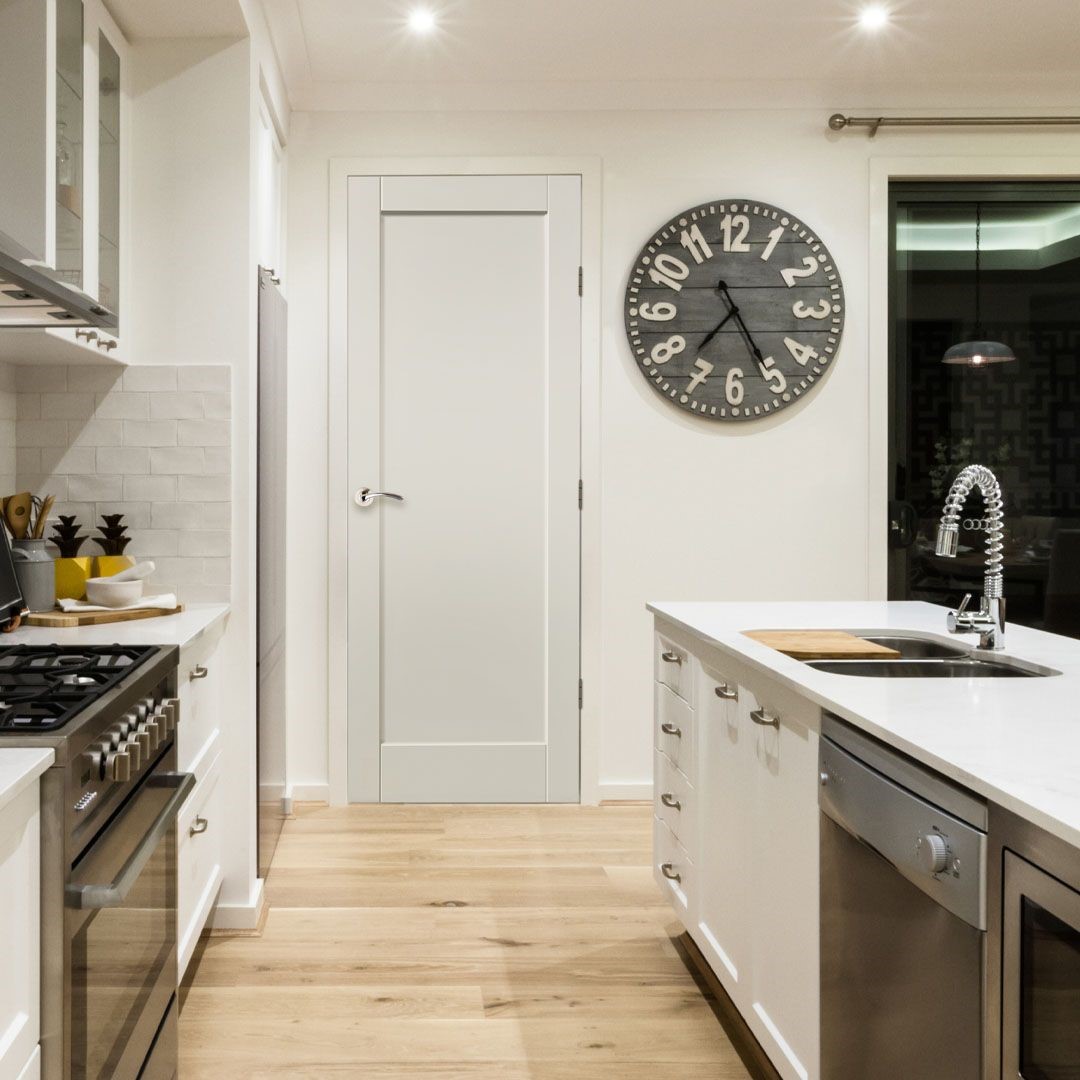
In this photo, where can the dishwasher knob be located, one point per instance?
(933, 853)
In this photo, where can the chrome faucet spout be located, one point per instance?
(989, 620)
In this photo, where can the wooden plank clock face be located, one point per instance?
(734, 310)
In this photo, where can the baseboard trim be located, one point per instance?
(299, 793)
(240, 917)
(641, 792)
(735, 1027)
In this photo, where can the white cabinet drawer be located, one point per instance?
(199, 826)
(675, 730)
(200, 700)
(672, 665)
(674, 802)
(673, 870)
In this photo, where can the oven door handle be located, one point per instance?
(92, 897)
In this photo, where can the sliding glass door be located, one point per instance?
(1021, 418)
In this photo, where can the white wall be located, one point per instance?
(774, 509)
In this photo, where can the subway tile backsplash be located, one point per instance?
(152, 443)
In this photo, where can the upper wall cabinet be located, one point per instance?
(64, 98)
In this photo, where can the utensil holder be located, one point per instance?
(35, 572)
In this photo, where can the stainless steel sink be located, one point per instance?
(916, 648)
(966, 668)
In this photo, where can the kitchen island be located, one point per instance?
(738, 731)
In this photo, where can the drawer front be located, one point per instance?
(673, 870)
(673, 665)
(675, 730)
(199, 827)
(200, 704)
(674, 802)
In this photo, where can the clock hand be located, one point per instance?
(722, 288)
(717, 329)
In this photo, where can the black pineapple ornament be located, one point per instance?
(66, 537)
(112, 540)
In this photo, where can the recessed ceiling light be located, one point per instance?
(873, 17)
(421, 21)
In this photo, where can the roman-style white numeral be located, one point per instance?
(695, 243)
(792, 273)
(733, 386)
(774, 239)
(801, 353)
(659, 312)
(704, 371)
(669, 271)
(818, 311)
(663, 351)
(735, 230)
(773, 375)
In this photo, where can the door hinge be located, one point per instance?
(581, 281)
(580, 494)
(580, 693)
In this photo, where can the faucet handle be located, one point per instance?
(964, 604)
(957, 621)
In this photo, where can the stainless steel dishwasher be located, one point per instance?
(903, 915)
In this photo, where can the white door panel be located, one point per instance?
(464, 398)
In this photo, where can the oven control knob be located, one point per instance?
(118, 766)
(134, 751)
(127, 723)
(144, 739)
(933, 853)
(156, 729)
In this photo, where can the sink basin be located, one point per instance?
(916, 648)
(1004, 668)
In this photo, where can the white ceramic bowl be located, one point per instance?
(108, 593)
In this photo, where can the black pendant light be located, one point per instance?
(978, 353)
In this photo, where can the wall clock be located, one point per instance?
(734, 310)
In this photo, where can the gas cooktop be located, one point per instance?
(42, 687)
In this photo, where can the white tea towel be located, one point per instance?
(164, 602)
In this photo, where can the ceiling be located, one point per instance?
(345, 54)
(141, 20)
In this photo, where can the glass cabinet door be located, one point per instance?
(69, 141)
(108, 174)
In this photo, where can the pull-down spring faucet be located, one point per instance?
(989, 621)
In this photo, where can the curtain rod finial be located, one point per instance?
(838, 121)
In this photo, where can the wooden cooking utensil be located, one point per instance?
(43, 516)
(17, 513)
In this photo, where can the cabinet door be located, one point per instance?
(724, 833)
(784, 901)
(200, 701)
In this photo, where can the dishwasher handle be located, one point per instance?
(937, 852)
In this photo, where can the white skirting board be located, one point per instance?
(632, 791)
(240, 916)
(301, 793)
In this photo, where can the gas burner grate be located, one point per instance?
(43, 686)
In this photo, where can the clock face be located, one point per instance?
(734, 310)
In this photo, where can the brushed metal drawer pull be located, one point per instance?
(200, 826)
(760, 716)
(726, 692)
(670, 872)
(669, 800)
(199, 672)
(671, 729)
(671, 658)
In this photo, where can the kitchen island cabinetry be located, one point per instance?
(20, 911)
(743, 773)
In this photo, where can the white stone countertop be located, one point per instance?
(18, 769)
(181, 629)
(1014, 741)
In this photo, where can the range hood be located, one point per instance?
(30, 296)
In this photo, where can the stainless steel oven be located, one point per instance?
(1039, 938)
(120, 931)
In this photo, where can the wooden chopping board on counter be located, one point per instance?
(66, 620)
(822, 645)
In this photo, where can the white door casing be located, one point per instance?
(463, 346)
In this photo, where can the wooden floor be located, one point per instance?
(487, 943)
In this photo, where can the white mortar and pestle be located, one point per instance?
(120, 589)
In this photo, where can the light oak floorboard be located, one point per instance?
(456, 943)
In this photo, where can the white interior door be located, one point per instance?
(464, 400)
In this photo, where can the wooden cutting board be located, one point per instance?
(65, 620)
(822, 645)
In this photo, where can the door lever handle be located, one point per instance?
(365, 496)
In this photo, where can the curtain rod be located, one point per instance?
(838, 121)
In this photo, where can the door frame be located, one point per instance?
(341, 169)
(882, 171)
